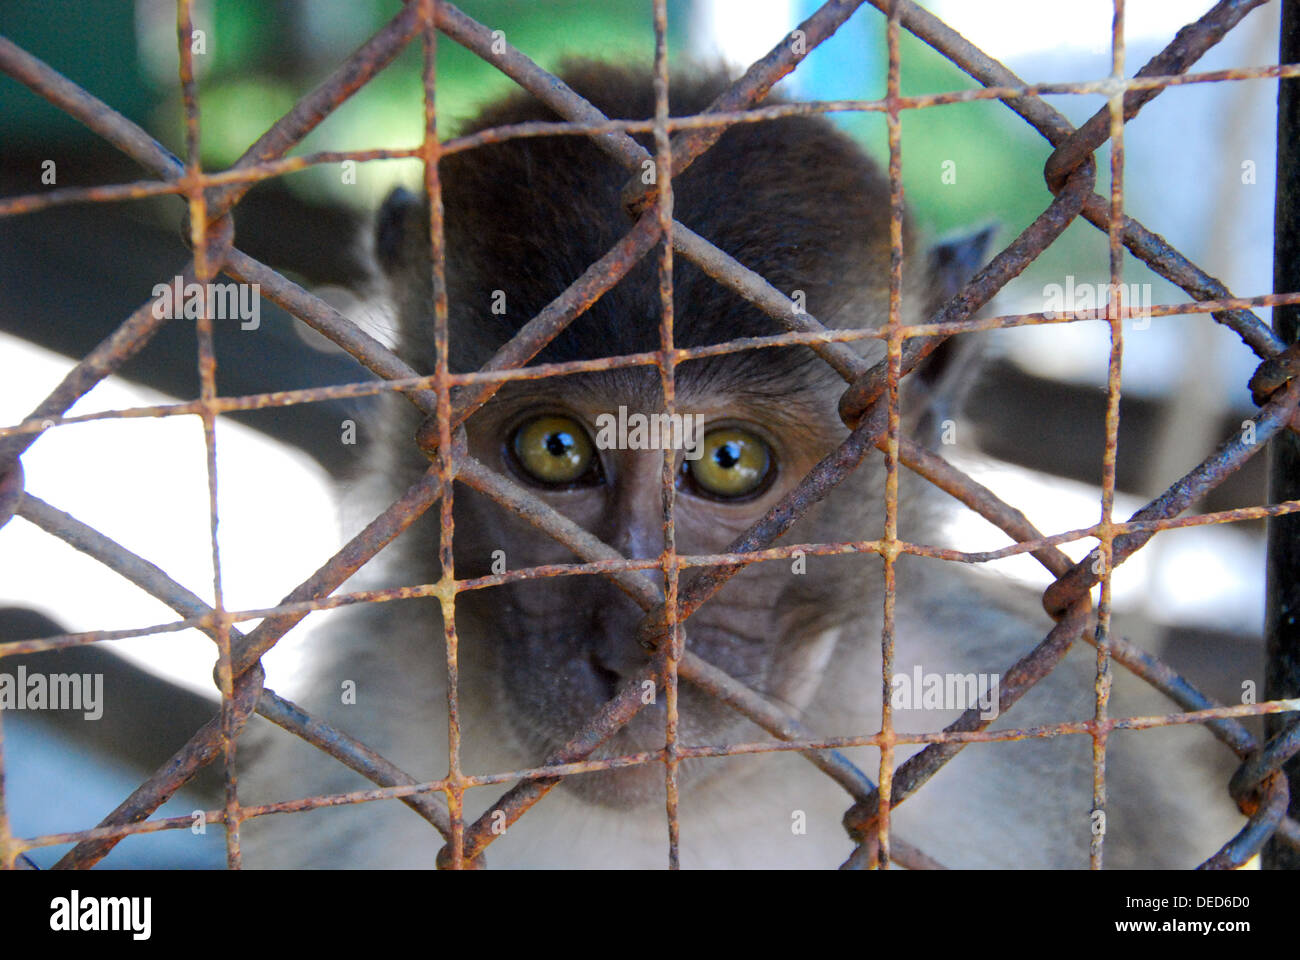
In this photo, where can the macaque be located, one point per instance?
(800, 203)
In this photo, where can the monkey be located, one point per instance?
(803, 205)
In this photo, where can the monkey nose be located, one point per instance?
(616, 664)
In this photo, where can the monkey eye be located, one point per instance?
(734, 464)
(555, 451)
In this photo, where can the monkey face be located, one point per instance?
(560, 647)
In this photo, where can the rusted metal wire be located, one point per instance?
(1148, 247)
(869, 406)
(444, 461)
(752, 87)
(1186, 48)
(323, 316)
(934, 468)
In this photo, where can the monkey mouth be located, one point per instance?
(553, 683)
(641, 780)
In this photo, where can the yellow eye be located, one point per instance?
(554, 450)
(734, 464)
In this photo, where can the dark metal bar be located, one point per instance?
(1282, 632)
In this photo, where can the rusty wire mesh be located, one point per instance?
(869, 407)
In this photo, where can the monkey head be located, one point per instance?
(792, 199)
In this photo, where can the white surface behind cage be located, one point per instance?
(143, 482)
(738, 32)
(1183, 166)
(1199, 170)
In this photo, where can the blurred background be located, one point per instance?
(1199, 171)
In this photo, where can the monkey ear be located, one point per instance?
(399, 222)
(939, 385)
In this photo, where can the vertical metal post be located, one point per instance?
(1282, 620)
